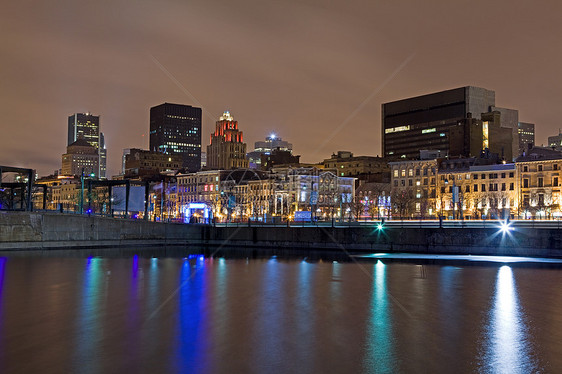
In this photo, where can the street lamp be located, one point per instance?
(455, 192)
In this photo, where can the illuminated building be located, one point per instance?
(224, 191)
(481, 191)
(84, 124)
(539, 181)
(126, 151)
(203, 160)
(375, 197)
(54, 195)
(426, 122)
(414, 186)
(320, 191)
(80, 157)
(227, 149)
(87, 126)
(509, 118)
(243, 194)
(67, 194)
(271, 143)
(471, 136)
(555, 142)
(176, 130)
(475, 187)
(103, 157)
(526, 132)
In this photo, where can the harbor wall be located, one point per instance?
(23, 230)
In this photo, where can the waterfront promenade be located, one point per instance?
(44, 231)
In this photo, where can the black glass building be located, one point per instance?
(424, 122)
(176, 129)
(85, 125)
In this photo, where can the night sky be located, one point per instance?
(313, 72)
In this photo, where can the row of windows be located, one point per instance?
(482, 176)
(492, 187)
(540, 182)
(411, 182)
(201, 179)
(540, 167)
(411, 172)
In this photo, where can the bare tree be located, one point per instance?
(402, 201)
(357, 207)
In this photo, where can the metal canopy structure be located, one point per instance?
(109, 184)
(25, 198)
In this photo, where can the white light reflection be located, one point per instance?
(506, 347)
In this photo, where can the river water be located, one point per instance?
(273, 315)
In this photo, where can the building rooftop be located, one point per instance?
(539, 154)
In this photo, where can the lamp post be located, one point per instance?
(455, 193)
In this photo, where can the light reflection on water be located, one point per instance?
(192, 320)
(380, 357)
(89, 329)
(305, 318)
(2, 271)
(506, 347)
(276, 315)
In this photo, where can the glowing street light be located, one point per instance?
(505, 227)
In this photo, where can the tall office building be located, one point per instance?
(510, 119)
(451, 122)
(271, 143)
(176, 129)
(86, 124)
(126, 151)
(526, 133)
(423, 122)
(87, 127)
(103, 157)
(227, 149)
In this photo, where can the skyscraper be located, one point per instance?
(526, 133)
(176, 129)
(103, 156)
(87, 126)
(227, 149)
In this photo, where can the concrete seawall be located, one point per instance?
(22, 230)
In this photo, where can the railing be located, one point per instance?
(407, 224)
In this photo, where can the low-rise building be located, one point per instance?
(142, 164)
(467, 190)
(414, 188)
(538, 177)
(250, 194)
(364, 168)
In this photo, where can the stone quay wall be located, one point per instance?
(23, 230)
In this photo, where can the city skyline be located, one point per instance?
(317, 75)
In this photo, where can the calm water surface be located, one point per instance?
(216, 315)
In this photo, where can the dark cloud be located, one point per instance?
(298, 68)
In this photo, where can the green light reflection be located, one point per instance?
(380, 356)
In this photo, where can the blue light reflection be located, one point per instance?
(191, 342)
(2, 272)
(89, 329)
